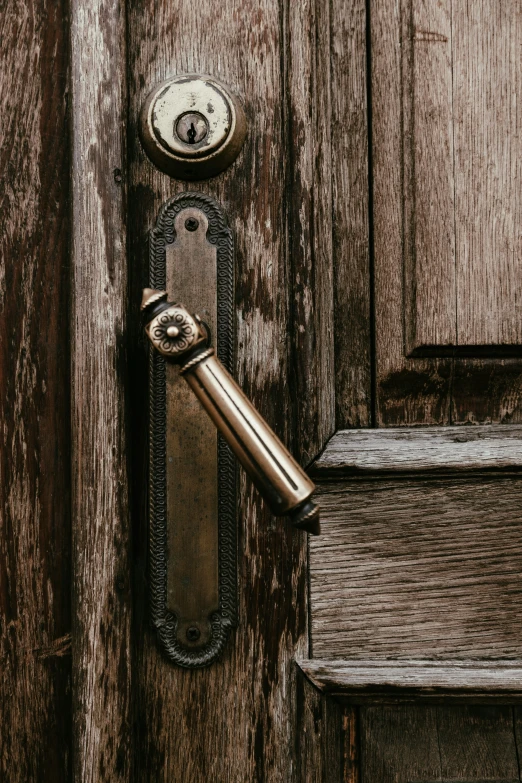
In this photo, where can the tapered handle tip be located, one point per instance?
(306, 517)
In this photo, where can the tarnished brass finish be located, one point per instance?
(279, 478)
(192, 127)
(192, 477)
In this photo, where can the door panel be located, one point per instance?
(419, 568)
(429, 744)
(35, 610)
(444, 179)
(460, 116)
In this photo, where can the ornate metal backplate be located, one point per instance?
(193, 560)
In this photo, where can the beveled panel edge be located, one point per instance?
(407, 450)
(388, 681)
(226, 618)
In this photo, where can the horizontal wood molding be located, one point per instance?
(363, 682)
(460, 450)
(419, 555)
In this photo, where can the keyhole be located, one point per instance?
(191, 128)
(191, 133)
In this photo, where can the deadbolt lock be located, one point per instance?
(192, 127)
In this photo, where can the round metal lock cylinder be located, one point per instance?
(192, 127)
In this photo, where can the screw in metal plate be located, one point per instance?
(191, 224)
(193, 633)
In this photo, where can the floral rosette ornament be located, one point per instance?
(174, 331)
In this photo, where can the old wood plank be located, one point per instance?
(487, 82)
(319, 737)
(421, 450)
(399, 745)
(441, 390)
(366, 681)
(428, 140)
(430, 744)
(309, 152)
(486, 391)
(101, 565)
(460, 147)
(350, 191)
(517, 723)
(351, 745)
(417, 568)
(35, 613)
(478, 743)
(236, 720)
(408, 391)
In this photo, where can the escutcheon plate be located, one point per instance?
(193, 557)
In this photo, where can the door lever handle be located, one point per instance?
(184, 339)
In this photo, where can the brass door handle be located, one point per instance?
(183, 339)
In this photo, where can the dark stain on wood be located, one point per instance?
(35, 611)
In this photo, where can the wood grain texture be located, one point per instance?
(429, 196)
(235, 721)
(309, 152)
(417, 568)
(319, 736)
(363, 682)
(350, 196)
(408, 208)
(486, 391)
(101, 563)
(487, 40)
(351, 745)
(35, 614)
(407, 391)
(461, 124)
(432, 744)
(454, 450)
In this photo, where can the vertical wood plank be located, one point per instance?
(351, 240)
(435, 743)
(488, 119)
(477, 743)
(35, 618)
(236, 720)
(430, 226)
(319, 736)
(101, 565)
(415, 390)
(407, 391)
(351, 745)
(310, 223)
(399, 745)
(517, 723)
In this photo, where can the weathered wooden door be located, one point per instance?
(376, 213)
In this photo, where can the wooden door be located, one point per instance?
(375, 213)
